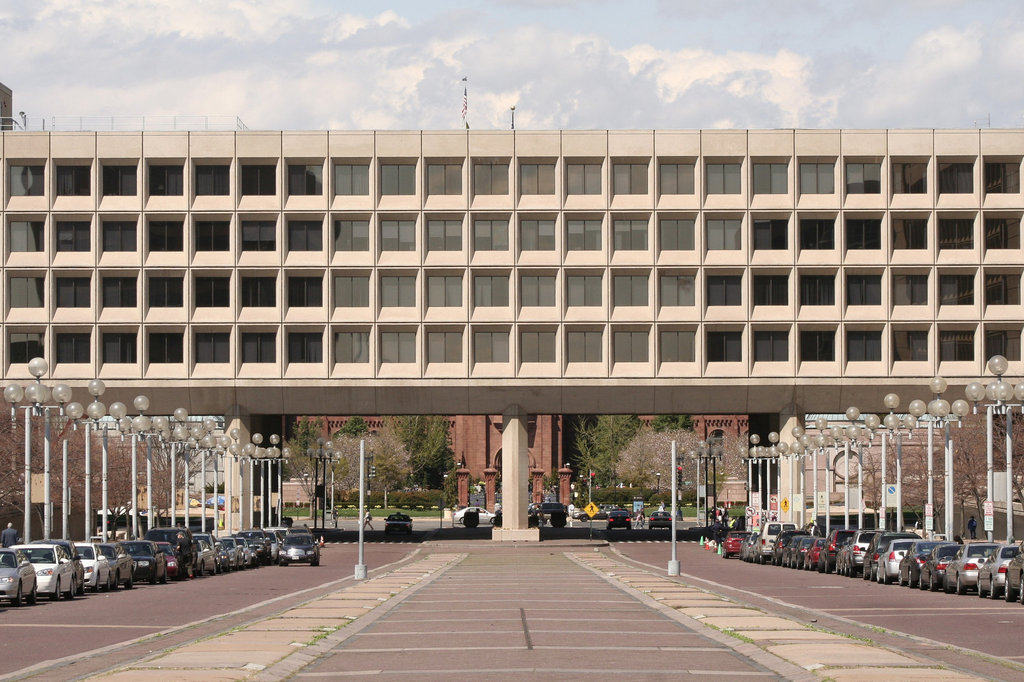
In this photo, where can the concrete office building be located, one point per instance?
(512, 272)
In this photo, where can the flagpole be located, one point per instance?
(465, 101)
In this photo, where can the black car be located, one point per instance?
(148, 561)
(76, 559)
(782, 542)
(619, 518)
(260, 542)
(833, 543)
(398, 523)
(120, 563)
(299, 547)
(933, 571)
(185, 554)
(910, 565)
(660, 519)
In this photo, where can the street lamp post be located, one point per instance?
(894, 427)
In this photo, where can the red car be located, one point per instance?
(172, 561)
(813, 557)
(732, 543)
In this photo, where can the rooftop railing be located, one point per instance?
(121, 123)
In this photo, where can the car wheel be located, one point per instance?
(71, 591)
(960, 589)
(152, 577)
(130, 583)
(314, 563)
(1008, 594)
(901, 579)
(163, 578)
(994, 592)
(947, 586)
(56, 592)
(19, 598)
(981, 590)
(33, 596)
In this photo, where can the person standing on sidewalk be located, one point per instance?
(9, 536)
(368, 520)
(972, 528)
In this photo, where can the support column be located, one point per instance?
(564, 480)
(790, 486)
(515, 462)
(490, 487)
(238, 470)
(538, 485)
(462, 485)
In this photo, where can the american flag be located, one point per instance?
(465, 99)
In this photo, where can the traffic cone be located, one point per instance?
(702, 539)
(321, 540)
(719, 550)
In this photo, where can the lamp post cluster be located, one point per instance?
(703, 455)
(322, 455)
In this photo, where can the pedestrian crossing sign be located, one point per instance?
(591, 509)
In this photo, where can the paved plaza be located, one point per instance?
(554, 610)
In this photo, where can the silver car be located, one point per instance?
(231, 554)
(97, 568)
(17, 577)
(889, 559)
(55, 574)
(992, 573)
(962, 570)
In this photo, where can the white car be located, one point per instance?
(485, 516)
(97, 568)
(55, 574)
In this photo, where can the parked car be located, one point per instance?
(206, 559)
(76, 561)
(619, 518)
(250, 556)
(214, 545)
(910, 565)
(992, 574)
(1013, 589)
(833, 543)
(732, 543)
(148, 561)
(962, 571)
(874, 549)
(185, 556)
(799, 549)
(554, 513)
(120, 564)
(54, 571)
(887, 566)
(260, 543)
(813, 557)
(782, 542)
(17, 577)
(299, 547)
(769, 534)
(171, 559)
(483, 516)
(231, 554)
(659, 519)
(750, 547)
(853, 561)
(398, 523)
(97, 570)
(933, 571)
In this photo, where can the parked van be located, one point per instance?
(769, 533)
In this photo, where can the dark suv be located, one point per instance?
(185, 555)
(785, 537)
(877, 544)
(260, 541)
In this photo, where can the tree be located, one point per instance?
(390, 458)
(301, 466)
(355, 427)
(672, 422)
(599, 440)
(426, 439)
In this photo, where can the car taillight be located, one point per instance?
(875, 558)
(832, 547)
(857, 550)
(1002, 569)
(971, 567)
(940, 567)
(920, 560)
(892, 556)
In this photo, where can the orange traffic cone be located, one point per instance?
(321, 540)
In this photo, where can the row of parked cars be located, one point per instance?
(988, 569)
(62, 569)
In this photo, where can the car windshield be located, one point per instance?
(86, 552)
(295, 539)
(108, 552)
(946, 551)
(139, 548)
(41, 555)
(924, 547)
(1009, 552)
(165, 546)
(163, 534)
(8, 560)
(227, 543)
(978, 550)
(900, 546)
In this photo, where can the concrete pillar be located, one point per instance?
(238, 471)
(790, 483)
(462, 481)
(515, 462)
(490, 487)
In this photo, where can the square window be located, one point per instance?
(537, 290)
(724, 346)
(677, 346)
(398, 179)
(398, 235)
(22, 347)
(956, 289)
(1002, 289)
(26, 236)
(397, 347)
(956, 345)
(956, 233)
(73, 348)
(351, 235)
(166, 347)
(537, 346)
(583, 235)
(352, 347)
(27, 181)
(490, 178)
(259, 292)
(818, 346)
(771, 290)
(166, 236)
(630, 346)
(259, 180)
(165, 292)
(1000, 233)
(213, 347)
(771, 178)
(166, 181)
(398, 292)
(73, 181)
(305, 347)
(212, 235)
(629, 178)
(771, 235)
(213, 292)
(73, 236)
(259, 235)
(490, 291)
(352, 180)
(490, 235)
(120, 181)
(629, 235)
(583, 346)
(305, 180)
(1005, 342)
(909, 289)
(213, 180)
(120, 235)
(863, 234)
(817, 234)
(352, 292)
(583, 290)
(537, 178)
(817, 290)
(72, 292)
(910, 178)
(444, 347)
(120, 292)
(630, 290)
(864, 346)
(677, 290)
(676, 234)
(910, 233)
(305, 292)
(119, 348)
(676, 178)
(444, 178)
(1002, 178)
(724, 290)
(771, 346)
(305, 235)
(864, 290)
(863, 178)
(444, 291)
(583, 178)
(537, 235)
(259, 347)
(723, 178)
(956, 178)
(444, 235)
(723, 234)
(817, 178)
(26, 292)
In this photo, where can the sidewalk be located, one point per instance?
(543, 611)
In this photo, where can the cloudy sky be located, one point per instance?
(574, 64)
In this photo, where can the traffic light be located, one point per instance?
(679, 476)
(373, 471)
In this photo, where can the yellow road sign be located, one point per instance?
(591, 509)
(785, 504)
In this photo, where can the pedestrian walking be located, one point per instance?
(972, 528)
(368, 520)
(9, 536)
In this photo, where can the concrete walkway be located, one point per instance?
(539, 612)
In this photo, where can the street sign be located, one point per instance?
(785, 504)
(823, 498)
(773, 502)
(591, 509)
(989, 515)
(890, 489)
(929, 511)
